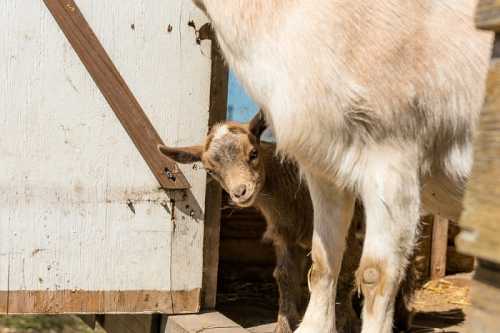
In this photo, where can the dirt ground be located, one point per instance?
(439, 305)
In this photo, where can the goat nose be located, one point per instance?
(240, 191)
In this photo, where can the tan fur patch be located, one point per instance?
(236, 128)
(371, 280)
(314, 274)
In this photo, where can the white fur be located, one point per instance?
(371, 98)
(328, 240)
(220, 131)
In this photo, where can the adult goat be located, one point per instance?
(371, 98)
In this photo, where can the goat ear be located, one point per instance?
(258, 124)
(184, 155)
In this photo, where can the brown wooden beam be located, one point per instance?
(94, 302)
(114, 88)
(213, 196)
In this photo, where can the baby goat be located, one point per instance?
(253, 175)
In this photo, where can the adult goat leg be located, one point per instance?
(333, 209)
(390, 192)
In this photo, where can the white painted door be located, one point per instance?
(83, 227)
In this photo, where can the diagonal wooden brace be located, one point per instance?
(117, 93)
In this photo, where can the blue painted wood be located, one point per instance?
(240, 106)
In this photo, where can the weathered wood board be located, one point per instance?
(481, 230)
(83, 227)
(488, 15)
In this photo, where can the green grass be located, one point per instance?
(43, 324)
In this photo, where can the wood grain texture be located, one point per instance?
(481, 234)
(482, 316)
(211, 246)
(439, 247)
(73, 301)
(4, 300)
(213, 197)
(115, 90)
(481, 230)
(79, 209)
(488, 15)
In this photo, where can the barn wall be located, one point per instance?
(83, 227)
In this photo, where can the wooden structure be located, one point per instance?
(85, 226)
(90, 224)
(481, 216)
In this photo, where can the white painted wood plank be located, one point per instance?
(189, 226)
(68, 168)
(4, 265)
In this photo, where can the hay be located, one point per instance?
(442, 295)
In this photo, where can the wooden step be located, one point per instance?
(213, 322)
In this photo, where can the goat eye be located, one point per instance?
(210, 172)
(254, 154)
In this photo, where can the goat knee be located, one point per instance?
(316, 273)
(370, 280)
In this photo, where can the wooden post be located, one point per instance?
(213, 197)
(439, 247)
(481, 217)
